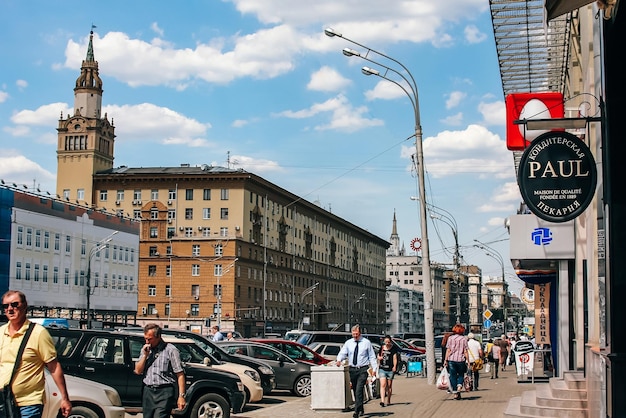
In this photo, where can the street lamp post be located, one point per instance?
(99, 246)
(491, 252)
(449, 220)
(413, 97)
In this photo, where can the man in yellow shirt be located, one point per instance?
(29, 382)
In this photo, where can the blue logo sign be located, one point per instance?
(487, 323)
(541, 236)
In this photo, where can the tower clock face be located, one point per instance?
(77, 127)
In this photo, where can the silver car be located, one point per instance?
(89, 399)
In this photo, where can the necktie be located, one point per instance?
(356, 354)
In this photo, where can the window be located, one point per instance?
(224, 213)
(104, 195)
(29, 237)
(195, 250)
(66, 194)
(171, 214)
(151, 290)
(195, 269)
(171, 194)
(80, 194)
(154, 214)
(219, 250)
(195, 309)
(189, 194)
(68, 244)
(57, 242)
(224, 231)
(153, 251)
(20, 235)
(168, 250)
(171, 231)
(152, 270)
(55, 275)
(137, 195)
(38, 238)
(167, 309)
(206, 231)
(44, 278)
(168, 270)
(224, 194)
(18, 270)
(195, 290)
(152, 310)
(168, 290)
(154, 194)
(188, 214)
(188, 232)
(217, 270)
(137, 214)
(120, 195)
(206, 213)
(206, 194)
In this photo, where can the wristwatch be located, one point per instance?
(182, 395)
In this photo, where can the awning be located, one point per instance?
(556, 8)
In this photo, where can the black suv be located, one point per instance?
(109, 357)
(268, 380)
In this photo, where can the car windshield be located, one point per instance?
(192, 353)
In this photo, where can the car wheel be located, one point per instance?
(246, 395)
(402, 369)
(210, 405)
(302, 386)
(82, 412)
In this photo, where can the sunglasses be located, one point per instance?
(13, 305)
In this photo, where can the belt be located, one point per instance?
(359, 367)
(154, 387)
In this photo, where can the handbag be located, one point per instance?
(477, 365)
(8, 405)
(468, 382)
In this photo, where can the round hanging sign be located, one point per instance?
(557, 176)
(416, 244)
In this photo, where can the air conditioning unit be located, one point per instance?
(169, 221)
(247, 316)
(199, 228)
(237, 228)
(169, 202)
(144, 310)
(117, 202)
(196, 297)
(181, 228)
(139, 202)
(134, 202)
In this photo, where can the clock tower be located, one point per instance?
(85, 139)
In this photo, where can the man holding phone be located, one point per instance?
(163, 374)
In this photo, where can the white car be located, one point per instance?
(89, 399)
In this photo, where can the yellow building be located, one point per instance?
(276, 260)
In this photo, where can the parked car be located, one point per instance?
(265, 371)
(190, 352)
(290, 374)
(310, 337)
(89, 399)
(294, 350)
(328, 350)
(109, 357)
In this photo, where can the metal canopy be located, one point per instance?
(533, 52)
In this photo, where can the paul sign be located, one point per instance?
(557, 176)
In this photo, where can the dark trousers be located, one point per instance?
(158, 402)
(358, 378)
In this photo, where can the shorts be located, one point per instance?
(385, 374)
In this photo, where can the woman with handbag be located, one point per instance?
(475, 354)
(23, 376)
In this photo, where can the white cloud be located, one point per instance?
(16, 168)
(21, 84)
(45, 115)
(454, 99)
(155, 27)
(453, 120)
(327, 79)
(494, 113)
(386, 90)
(473, 35)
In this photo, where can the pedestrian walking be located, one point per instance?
(387, 367)
(456, 359)
(475, 357)
(163, 375)
(360, 354)
(504, 351)
(495, 359)
(28, 383)
(216, 334)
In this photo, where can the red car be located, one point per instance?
(294, 350)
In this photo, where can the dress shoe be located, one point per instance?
(355, 415)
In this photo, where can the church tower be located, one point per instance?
(394, 249)
(86, 140)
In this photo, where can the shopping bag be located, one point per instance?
(487, 367)
(443, 381)
(468, 382)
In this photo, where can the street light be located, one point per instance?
(219, 291)
(491, 252)
(351, 310)
(306, 292)
(98, 246)
(413, 97)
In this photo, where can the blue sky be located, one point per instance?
(259, 84)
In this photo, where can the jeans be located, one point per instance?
(457, 373)
(31, 411)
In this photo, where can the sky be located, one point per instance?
(258, 85)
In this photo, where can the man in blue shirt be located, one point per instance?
(360, 354)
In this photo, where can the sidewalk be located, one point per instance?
(414, 397)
